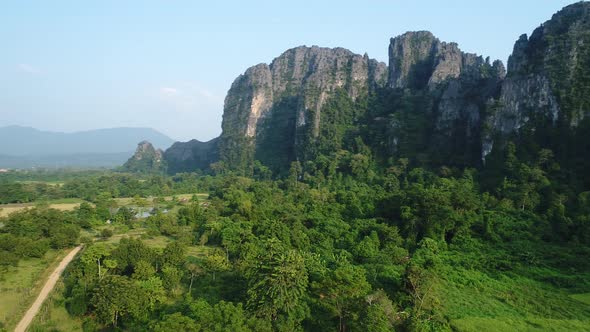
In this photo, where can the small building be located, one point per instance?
(4, 170)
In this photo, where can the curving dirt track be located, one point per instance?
(53, 278)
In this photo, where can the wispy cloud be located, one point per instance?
(169, 92)
(27, 68)
(189, 96)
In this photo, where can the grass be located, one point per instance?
(475, 300)
(483, 324)
(584, 298)
(68, 204)
(158, 241)
(49, 183)
(53, 315)
(65, 204)
(19, 286)
(129, 200)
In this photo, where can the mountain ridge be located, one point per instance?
(28, 141)
(433, 103)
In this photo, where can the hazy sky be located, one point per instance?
(77, 65)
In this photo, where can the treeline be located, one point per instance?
(92, 186)
(32, 232)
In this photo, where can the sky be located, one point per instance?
(79, 65)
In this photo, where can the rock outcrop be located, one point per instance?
(459, 84)
(189, 156)
(547, 81)
(418, 59)
(448, 106)
(290, 92)
(146, 159)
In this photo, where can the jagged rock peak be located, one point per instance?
(308, 74)
(547, 69)
(418, 59)
(546, 74)
(146, 159)
(145, 149)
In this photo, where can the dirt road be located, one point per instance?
(28, 318)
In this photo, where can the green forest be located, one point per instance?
(342, 244)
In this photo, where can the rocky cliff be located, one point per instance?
(289, 94)
(458, 85)
(146, 159)
(548, 77)
(191, 155)
(433, 102)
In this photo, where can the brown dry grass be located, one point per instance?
(6, 209)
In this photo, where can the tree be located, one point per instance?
(129, 252)
(154, 290)
(380, 312)
(216, 262)
(342, 289)
(106, 233)
(143, 270)
(117, 297)
(97, 254)
(277, 280)
(194, 270)
(86, 214)
(171, 277)
(177, 322)
(174, 254)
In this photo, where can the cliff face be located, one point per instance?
(548, 72)
(146, 159)
(290, 93)
(192, 155)
(458, 84)
(419, 59)
(433, 101)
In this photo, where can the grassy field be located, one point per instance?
(476, 301)
(19, 286)
(53, 315)
(129, 200)
(49, 183)
(158, 241)
(66, 204)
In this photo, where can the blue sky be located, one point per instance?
(78, 65)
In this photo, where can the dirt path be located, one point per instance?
(53, 278)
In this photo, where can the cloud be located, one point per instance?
(169, 92)
(27, 68)
(188, 94)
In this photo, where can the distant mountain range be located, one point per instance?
(25, 147)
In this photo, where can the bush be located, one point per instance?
(106, 233)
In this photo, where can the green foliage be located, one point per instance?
(277, 280)
(117, 297)
(31, 232)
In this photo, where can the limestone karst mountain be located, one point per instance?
(146, 159)
(432, 103)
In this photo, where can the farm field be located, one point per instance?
(66, 204)
(69, 204)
